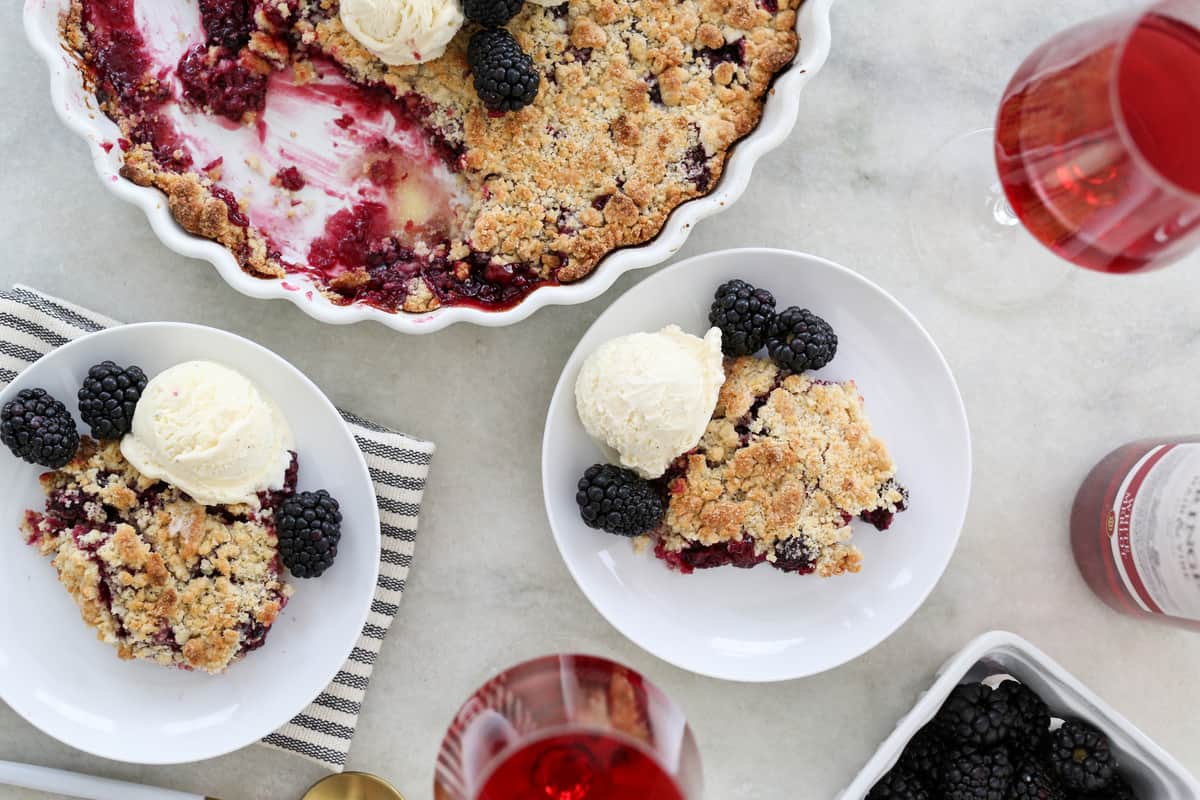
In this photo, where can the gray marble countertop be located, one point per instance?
(1049, 388)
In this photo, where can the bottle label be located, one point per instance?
(1154, 531)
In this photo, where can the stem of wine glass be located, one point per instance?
(970, 243)
(1002, 210)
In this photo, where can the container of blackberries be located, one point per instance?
(1003, 721)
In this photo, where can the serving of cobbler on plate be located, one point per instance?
(158, 575)
(720, 457)
(172, 524)
(446, 159)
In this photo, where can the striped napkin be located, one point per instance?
(32, 324)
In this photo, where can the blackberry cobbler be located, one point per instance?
(273, 131)
(785, 465)
(158, 575)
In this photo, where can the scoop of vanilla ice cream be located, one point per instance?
(209, 431)
(650, 396)
(402, 32)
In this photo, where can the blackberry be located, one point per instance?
(492, 13)
(744, 315)
(108, 398)
(973, 715)
(1082, 757)
(309, 527)
(799, 340)
(505, 78)
(39, 429)
(900, 784)
(1117, 790)
(1036, 781)
(972, 774)
(1028, 716)
(925, 755)
(618, 501)
(794, 555)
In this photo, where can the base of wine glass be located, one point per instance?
(969, 243)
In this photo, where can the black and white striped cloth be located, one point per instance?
(32, 324)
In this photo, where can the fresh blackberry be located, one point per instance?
(108, 398)
(925, 755)
(309, 527)
(744, 315)
(39, 429)
(505, 78)
(973, 774)
(492, 13)
(1028, 716)
(618, 501)
(1117, 790)
(900, 784)
(1037, 781)
(1082, 757)
(799, 340)
(973, 715)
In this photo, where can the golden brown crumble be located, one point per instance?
(784, 456)
(159, 576)
(640, 101)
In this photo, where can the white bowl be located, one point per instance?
(762, 624)
(1153, 773)
(78, 111)
(56, 674)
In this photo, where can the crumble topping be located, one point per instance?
(640, 101)
(786, 462)
(158, 576)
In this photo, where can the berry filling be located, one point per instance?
(279, 14)
(291, 179)
(580, 55)
(121, 62)
(695, 166)
(213, 79)
(655, 90)
(350, 236)
(739, 553)
(733, 52)
(228, 23)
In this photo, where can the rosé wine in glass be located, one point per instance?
(1098, 140)
(568, 727)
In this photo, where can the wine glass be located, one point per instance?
(1094, 153)
(568, 727)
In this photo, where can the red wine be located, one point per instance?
(1159, 91)
(1096, 143)
(579, 766)
(568, 727)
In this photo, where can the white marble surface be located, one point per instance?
(1049, 389)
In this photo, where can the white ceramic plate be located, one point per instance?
(78, 111)
(761, 624)
(56, 674)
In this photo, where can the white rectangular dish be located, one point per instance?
(1152, 772)
(76, 108)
